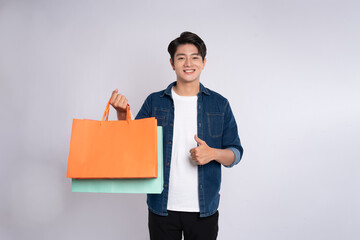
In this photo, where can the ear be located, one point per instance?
(172, 64)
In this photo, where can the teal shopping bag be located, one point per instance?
(143, 185)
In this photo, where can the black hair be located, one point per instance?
(187, 38)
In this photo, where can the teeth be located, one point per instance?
(189, 70)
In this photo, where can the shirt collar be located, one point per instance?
(168, 89)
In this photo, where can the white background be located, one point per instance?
(290, 70)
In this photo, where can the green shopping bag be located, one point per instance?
(143, 185)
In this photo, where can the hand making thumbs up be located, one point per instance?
(202, 154)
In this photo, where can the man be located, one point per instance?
(200, 135)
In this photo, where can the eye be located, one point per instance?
(196, 58)
(180, 58)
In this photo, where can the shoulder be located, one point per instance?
(157, 99)
(215, 97)
(162, 93)
(155, 96)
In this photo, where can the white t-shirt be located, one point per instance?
(183, 183)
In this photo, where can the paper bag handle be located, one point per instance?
(107, 109)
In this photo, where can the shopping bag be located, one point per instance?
(146, 185)
(113, 149)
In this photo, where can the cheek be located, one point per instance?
(199, 64)
(177, 68)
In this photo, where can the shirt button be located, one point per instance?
(171, 125)
(199, 124)
(200, 186)
(165, 185)
(167, 164)
(170, 142)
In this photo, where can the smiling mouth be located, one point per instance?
(189, 71)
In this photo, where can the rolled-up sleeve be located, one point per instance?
(237, 157)
(230, 136)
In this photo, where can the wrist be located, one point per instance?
(121, 115)
(215, 154)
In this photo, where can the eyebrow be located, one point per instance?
(183, 54)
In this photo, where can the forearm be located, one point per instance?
(224, 156)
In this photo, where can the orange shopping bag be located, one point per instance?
(113, 149)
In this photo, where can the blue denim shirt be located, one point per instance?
(215, 125)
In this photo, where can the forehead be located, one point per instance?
(186, 49)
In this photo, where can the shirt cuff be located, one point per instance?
(237, 157)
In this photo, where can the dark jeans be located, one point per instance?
(172, 227)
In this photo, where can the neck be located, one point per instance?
(187, 88)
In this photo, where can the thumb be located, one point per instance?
(198, 140)
(114, 92)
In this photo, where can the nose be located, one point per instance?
(187, 62)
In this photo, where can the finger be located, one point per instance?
(197, 161)
(198, 140)
(113, 96)
(123, 102)
(119, 101)
(195, 150)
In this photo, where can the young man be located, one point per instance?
(200, 135)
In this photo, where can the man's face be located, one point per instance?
(188, 63)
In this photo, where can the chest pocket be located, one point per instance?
(215, 124)
(162, 116)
